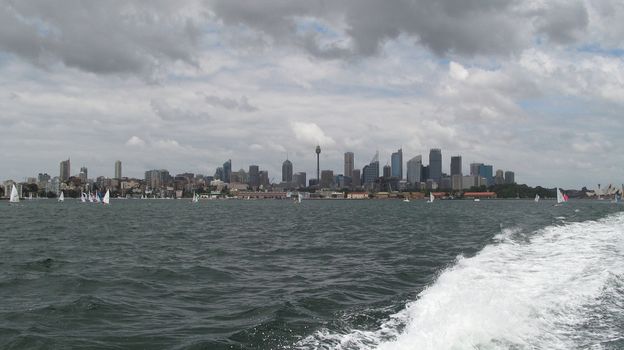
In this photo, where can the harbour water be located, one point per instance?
(169, 274)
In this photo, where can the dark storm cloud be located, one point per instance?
(115, 37)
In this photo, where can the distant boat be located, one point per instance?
(30, 196)
(195, 198)
(83, 197)
(477, 200)
(14, 195)
(537, 198)
(61, 198)
(106, 199)
(561, 198)
(431, 197)
(299, 198)
(406, 200)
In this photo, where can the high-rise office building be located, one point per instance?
(254, 176)
(227, 171)
(435, 164)
(118, 169)
(414, 170)
(356, 179)
(510, 177)
(456, 165)
(327, 178)
(370, 172)
(387, 171)
(499, 178)
(84, 174)
(287, 171)
(485, 171)
(424, 176)
(219, 174)
(65, 170)
(157, 178)
(299, 179)
(348, 164)
(474, 168)
(397, 164)
(263, 175)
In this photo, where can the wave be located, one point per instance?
(557, 288)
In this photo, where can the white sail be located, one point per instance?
(195, 198)
(300, 197)
(14, 195)
(83, 197)
(61, 198)
(431, 197)
(106, 199)
(537, 198)
(30, 196)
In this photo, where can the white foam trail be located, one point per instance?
(556, 290)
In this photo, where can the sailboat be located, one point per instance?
(83, 197)
(431, 197)
(30, 196)
(61, 198)
(106, 199)
(14, 195)
(537, 198)
(406, 200)
(299, 198)
(561, 198)
(195, 198)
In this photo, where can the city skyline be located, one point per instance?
(533, 87)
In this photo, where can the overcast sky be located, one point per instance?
(532, 86)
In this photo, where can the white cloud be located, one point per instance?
(311, 134)
(135, 141)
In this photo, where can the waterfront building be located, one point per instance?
(157, 178)
(470, 181)
(240, 177)
(414, 170)
(435, 164)
(510, 177)
(396, 160)
(65, 170)
(287, 171)
(348, 164)
(118, 169)
(456, 182)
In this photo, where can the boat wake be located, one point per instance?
(561, 287)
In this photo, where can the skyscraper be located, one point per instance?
(474, 168)
(499, 178)
(318, 164)
(327, 179)
(118, 169)
(227, 171)
(287, 171)
(510, 177)
(65, 170)
(370, 172)
(299, 179)
(397, 164)
(348, 164)
(456, 165)
(435, 164)
(414, 170)
(219, 174)
(356, 179)
(254, 176)
(84, 174)
(263, 175)
(387, 171)
(485, 171)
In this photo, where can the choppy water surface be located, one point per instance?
(167, 274)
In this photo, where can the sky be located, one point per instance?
(532, 86)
